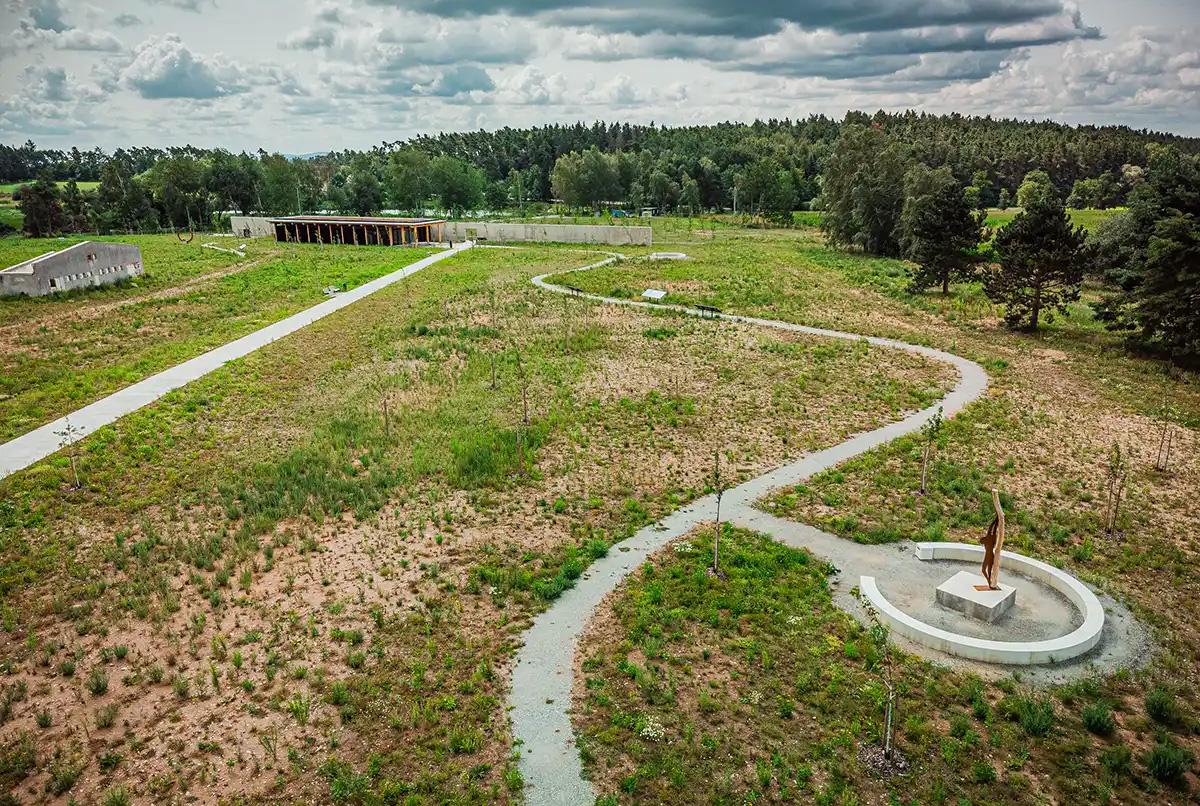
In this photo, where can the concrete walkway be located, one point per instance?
(542, 675)
(36, 445)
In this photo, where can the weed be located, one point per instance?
(1161, 706)
(300, 707)
(1098, 718)
(1168, 762)
(97, 682)
(106, 716)
(1116, 760)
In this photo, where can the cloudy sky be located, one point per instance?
(312, 75)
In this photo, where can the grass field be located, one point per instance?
(302, 577)
(284, 566)
(1058, 403)
(7, 188)
(1088, 219)
(62, 353)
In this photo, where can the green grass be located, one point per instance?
(62, 362)
(755, 688)
(1088, 219)
(463, 532)
(7, 188)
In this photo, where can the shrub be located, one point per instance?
(1098, 719)
(1167, 762)
(1035, 715)
(1116, 760)
(18, 758)
(1160, 705)
(117, 796)
(97, 682)
(465, 741)
(64, 772)
(984, 773)
(106, 716)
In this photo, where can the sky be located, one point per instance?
(301, 76)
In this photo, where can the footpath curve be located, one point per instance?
(540, 697)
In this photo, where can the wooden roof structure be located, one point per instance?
(359, 230)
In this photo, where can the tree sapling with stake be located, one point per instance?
(1118, 472)
(930, 431)
(719, 487)
(67, 438)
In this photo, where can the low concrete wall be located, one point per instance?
(1018, 653)
(251, 226)
(550, 233)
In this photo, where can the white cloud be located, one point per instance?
(163, 67)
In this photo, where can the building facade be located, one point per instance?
(84, 265)
(359, 230)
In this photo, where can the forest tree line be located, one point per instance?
(908, 186)
(766, 165)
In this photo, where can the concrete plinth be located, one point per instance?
(959, 593)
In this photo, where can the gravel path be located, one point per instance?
(25, 450)
(542, 675)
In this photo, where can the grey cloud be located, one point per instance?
(184, 5)
(743, 19)
(47, 15)
(127, 20)
(454, 81)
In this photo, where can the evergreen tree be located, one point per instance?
(1041, 264)
(1158, 267)
(938, 228)
(42, 207)
(75, 209)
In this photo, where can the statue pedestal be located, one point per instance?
(959, 593)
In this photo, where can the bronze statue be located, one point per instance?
(993, 544)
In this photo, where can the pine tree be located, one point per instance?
(42, 207)
(1041, 264)
(938, 228)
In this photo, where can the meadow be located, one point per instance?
(303, 575)
(65, 351)
(1058, 404)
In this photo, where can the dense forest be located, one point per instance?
(912, 186)
(1003, 151)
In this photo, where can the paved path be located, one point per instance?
(36, 445)
(542, 675)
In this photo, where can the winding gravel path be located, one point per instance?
(25, 450)
(542, 675)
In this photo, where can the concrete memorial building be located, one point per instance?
(358, 230)
(83, 265)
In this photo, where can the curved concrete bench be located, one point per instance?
(1025, 653)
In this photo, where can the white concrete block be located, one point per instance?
(960, 592)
